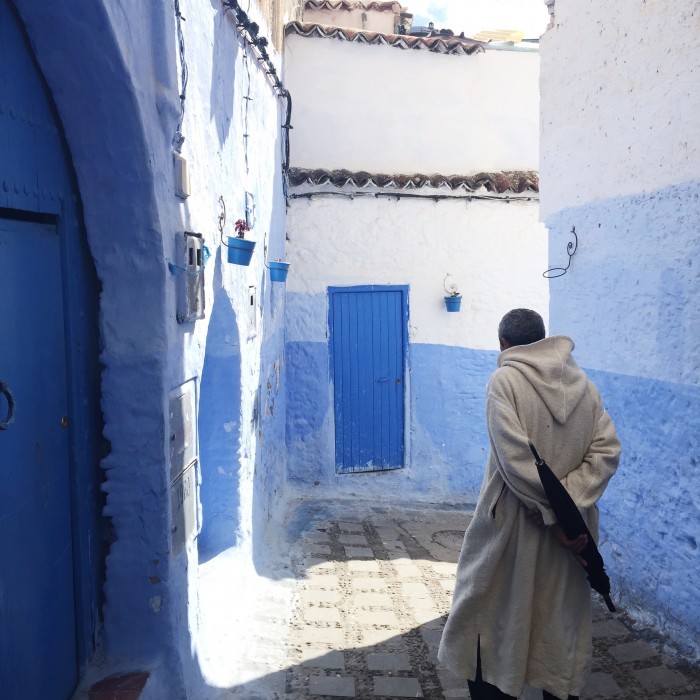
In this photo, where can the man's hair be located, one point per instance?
(521, 327)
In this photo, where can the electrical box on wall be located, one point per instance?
(190, 303)
(182, 176)
(250, 210)
(252, 310)
(183, 465)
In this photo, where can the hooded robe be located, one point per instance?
(519, 593)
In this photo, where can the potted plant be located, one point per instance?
(453, 301)
(240, 251)
(278, 270)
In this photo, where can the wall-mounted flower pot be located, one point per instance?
(240, 251)
(278, 271)
(453, 303)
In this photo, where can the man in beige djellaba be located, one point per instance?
(521, 610)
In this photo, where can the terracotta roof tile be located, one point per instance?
(512, 180)
(443, 43)
(350, 5)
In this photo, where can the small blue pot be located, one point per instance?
(453, 303)
(240, 251)
(278, 271)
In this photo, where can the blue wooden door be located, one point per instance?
(37, 613)
(50, 547)
(368, 332)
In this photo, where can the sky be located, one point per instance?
(471, 16)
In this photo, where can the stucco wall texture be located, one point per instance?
(620, 151)
(113, 71)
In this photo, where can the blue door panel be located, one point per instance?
(368, 343)
(37, 617)
(50, 546)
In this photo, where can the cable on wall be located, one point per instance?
(247, 99)
(178, 138)
(257, 44)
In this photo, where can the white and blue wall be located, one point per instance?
(620, 163)
(493, 251)
(113, 72)
(381, 109)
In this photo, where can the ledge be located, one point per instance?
(499, 182)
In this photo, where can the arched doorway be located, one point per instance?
(49, 551)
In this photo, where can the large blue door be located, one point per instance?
(368, 335)
(37, 613)
(49, 412)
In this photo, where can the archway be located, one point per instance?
(92, 83)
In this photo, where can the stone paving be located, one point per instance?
(373, 589)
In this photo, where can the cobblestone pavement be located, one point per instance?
(373, 589)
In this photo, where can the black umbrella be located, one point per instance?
(573, 524)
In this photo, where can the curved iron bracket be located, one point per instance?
(570, 250)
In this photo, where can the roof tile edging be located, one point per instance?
(444, 44)
(517, 181)
(391, 6)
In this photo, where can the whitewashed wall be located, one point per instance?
(620, 162)
(492, 250)
(384, 109)
(619, 114)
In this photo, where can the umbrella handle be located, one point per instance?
(609, 603)
(538, 460)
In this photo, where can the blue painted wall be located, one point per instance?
(632, 300)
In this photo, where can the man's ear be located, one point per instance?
(504, 344)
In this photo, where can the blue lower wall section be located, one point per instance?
(448, 419)
(446, 441)
(631, 301)
(650, 513)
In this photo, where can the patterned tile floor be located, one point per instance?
(371, 593)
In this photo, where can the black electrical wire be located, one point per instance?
(178, 138)
(249, 32)
(286, 128)
(247, 99)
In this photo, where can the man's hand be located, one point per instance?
(576, 546)
(535, 516)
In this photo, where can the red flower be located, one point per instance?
(241, 227)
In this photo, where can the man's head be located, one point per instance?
(520, 327)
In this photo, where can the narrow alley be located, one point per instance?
(255, 258)
(361, 614)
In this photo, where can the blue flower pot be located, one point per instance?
(278, 271)
(240, 251)
(453, 303)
